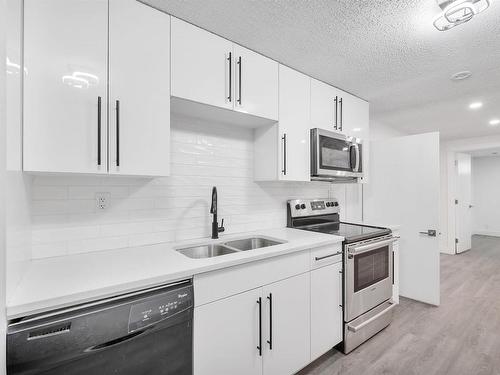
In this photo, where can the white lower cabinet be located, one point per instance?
(326, 309)
(226, 336)
(287, 332)
(261, 331)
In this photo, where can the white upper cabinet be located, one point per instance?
(294, 125)
(211, 70)
(281, 151)
(256, 84)
(67, 126)
(324, 106)
(355, 116)
(139, 89)
(336, 110)
(65, 101)
(202, 66)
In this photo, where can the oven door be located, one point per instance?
(368, 275)
(335, 154)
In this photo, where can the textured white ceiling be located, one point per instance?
(385, 51)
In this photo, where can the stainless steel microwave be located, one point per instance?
(335, 156)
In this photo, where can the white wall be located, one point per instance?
(486, 195)
(65, 219)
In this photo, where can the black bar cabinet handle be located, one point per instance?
(341, 288)
(336, 100)
(99, 107)
(239, 80)
(117, 133)
(270, 341)
(284, 154)
(230, 61)
(341, 115)
(259, 347)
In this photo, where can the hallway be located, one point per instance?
(461, 337)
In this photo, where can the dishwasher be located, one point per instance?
(147, 332)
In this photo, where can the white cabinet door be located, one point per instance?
(139, 89)
(324, 106)
(201, 66)
(65, 52)
(294, 125)
(326, 309)
(226, 336)
(256, 83)
(355, 116)
(287, 325)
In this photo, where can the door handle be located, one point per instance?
(284, 154)
(270, 341)
(239, 80)
(341, 115)
(430, 232)
(99, 106)
(117, 108)
(259, 347)
(230, 62)
(336, 101)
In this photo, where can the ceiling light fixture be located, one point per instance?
(460, 76)
(475, 105)
(457, 12)
(495, 122)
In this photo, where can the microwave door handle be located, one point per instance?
(352, 157)
(356, 167)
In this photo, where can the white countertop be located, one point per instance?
(64, 281)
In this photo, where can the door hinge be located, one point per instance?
(456, 240)
(456, 201)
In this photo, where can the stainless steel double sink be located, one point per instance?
(230, 247)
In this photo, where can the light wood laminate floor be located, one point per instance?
(460, 337)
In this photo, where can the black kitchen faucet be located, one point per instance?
(213, 210)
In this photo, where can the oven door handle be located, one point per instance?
(368, 321)
(363, 249)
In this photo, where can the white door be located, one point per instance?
(287, 325)
(65, 101)
(404, 190)
(294, 125)
(326, 309)
(463, 205)
(202, 66)
(226, 335)
(139, 89)
(256, 83)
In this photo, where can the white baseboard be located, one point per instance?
(486, 233)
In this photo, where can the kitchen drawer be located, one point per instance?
(326, 255)
(212, 286)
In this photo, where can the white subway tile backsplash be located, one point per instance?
(142, 211)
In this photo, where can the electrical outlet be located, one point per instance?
(102, 200)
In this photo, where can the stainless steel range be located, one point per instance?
(368, 266)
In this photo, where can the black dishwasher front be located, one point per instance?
(149, 332)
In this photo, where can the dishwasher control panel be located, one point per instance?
(162, 306)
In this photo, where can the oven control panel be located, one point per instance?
(311, 207)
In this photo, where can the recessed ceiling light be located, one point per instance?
(494, 153)
(495, 122)
(460, 76)
(475, 105)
